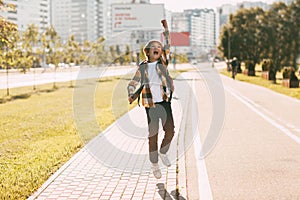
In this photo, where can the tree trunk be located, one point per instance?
(7, 87)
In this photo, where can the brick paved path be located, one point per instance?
(115, 164)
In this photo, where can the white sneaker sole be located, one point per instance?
(168, 164)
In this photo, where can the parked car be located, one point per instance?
(194, 62)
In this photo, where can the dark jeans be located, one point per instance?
(163, 111)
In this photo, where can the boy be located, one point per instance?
(157, 87)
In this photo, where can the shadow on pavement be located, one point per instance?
(165, 195)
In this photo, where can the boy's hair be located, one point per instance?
(148, 46)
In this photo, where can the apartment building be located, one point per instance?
(179, 22)
(81, 18)
(29, 12)
(202, 28)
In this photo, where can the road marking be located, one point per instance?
(250, 104)
(203, 181)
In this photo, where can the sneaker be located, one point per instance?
(156, 170)
(164, 158)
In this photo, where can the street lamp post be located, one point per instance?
(228, 41)
(228, 45)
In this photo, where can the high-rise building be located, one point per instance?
(285, 1)
(179, 22)
(201, 25)
(202, 28)
(81, 18)
(61, 18)
(29, 12)
(248, 5)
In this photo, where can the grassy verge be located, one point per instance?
(258, 80)
(39, 133)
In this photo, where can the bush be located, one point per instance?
(265, 65)
(289, 73)
(250, 65)
(272, 70)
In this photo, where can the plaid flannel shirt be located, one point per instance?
(166, 86)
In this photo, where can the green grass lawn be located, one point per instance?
(258, 80)
(38, 133)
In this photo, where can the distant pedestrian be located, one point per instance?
(174, 60)
(234, 65)
(156, 87)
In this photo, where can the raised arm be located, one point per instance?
(167, 41)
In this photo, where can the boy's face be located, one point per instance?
(155, 51)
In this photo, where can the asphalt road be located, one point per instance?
(246, 140)
(43, 76)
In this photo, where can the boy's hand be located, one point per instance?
(172, 87)
(130, 99)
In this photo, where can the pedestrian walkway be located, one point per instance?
(115, 164)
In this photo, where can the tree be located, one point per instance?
(255, 42)
(72, 54)
(294, 11)
(71, 48)
(52, 43)
(86, 50)
(242, 32)
(113, 54)
(98, 54)
(8, 40)
(127, 56)
(224, 41)
(227, 39)
(254, 35)
(30, 41)
(276, 28)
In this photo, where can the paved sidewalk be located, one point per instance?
(115, 164)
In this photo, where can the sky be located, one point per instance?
(180, 5)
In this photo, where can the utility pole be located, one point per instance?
(229, 42)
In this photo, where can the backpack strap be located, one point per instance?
(142, 71)
(168, 79)
(136, 94)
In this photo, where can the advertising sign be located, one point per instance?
(137, 16)
(180, 38)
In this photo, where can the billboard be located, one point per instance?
(137, 16)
